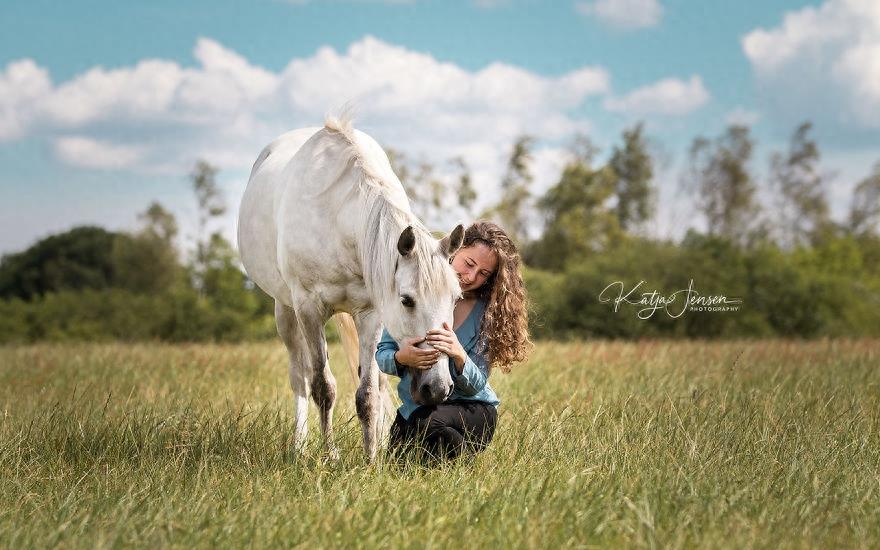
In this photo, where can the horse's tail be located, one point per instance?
(349, 336)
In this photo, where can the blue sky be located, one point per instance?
(104, 105)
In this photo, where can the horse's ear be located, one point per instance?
(407, 241)
(450, 244)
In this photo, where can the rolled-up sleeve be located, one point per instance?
(473, 376)
(385, 350)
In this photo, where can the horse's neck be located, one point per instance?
(381, 224)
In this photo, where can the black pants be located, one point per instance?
(445, 430)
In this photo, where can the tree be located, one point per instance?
(427, 192)
(146, 261)
(159, 222)
(802, 204)
(719, 175)
(512, 209)
(578, 220)
(77, 259)
(864, 212)
(464, 188)
(634, 169)
(211, 205)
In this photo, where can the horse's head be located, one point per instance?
(426, 289)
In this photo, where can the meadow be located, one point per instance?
(766, 443)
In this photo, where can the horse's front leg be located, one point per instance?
(367, 401)
(302, 330)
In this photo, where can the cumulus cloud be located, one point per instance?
(623, 14)
(419, 99)
(822, 62)
(23, 86)
(159, 116)
(90, 153)
(669, 96)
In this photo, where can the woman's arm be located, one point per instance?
(473, 376)
(470, 370)
(385, 350)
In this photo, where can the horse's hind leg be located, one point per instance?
(288, 330)
(323, 387)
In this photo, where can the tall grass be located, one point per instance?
(756, 444)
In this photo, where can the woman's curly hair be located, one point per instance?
(504, 333)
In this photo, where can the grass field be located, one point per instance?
(657, 444)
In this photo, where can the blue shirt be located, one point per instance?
(473, 382)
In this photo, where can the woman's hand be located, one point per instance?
(446, 341)
(416, 358)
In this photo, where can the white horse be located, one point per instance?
(325, 227)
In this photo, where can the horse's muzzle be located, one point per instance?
(432, 394)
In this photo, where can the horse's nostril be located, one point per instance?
(425, 390)
(433, 395)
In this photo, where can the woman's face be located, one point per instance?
(474, 265)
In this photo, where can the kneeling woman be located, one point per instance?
(490, 329)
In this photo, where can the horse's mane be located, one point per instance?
(388, 214)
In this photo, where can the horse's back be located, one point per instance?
(257, 229)
(302, 210)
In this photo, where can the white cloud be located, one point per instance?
(822, 62)
(161, 91)
(140, 92)
(669, 96)
(23, 85)
(89, 153)
(157, 116)
(742, 117)
(623, 14)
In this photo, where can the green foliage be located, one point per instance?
(91, 284)
(579, 219)
(823, 291)
(802, 206)
(144, 263)
(465, 193)
(864, 214)
(77, 259)
(720, 176)
(178, 314)
(513, 207)
(90, 258)
(634, 169)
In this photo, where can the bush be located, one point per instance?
(829, 290)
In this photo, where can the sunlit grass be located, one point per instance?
(767, 443)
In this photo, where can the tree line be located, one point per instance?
(93, 284)
(796, 271)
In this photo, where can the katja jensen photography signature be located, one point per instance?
(675, 304)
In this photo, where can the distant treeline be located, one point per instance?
(832, 289)
(91, 284)
(794, 271)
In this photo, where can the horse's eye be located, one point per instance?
(407, 301)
